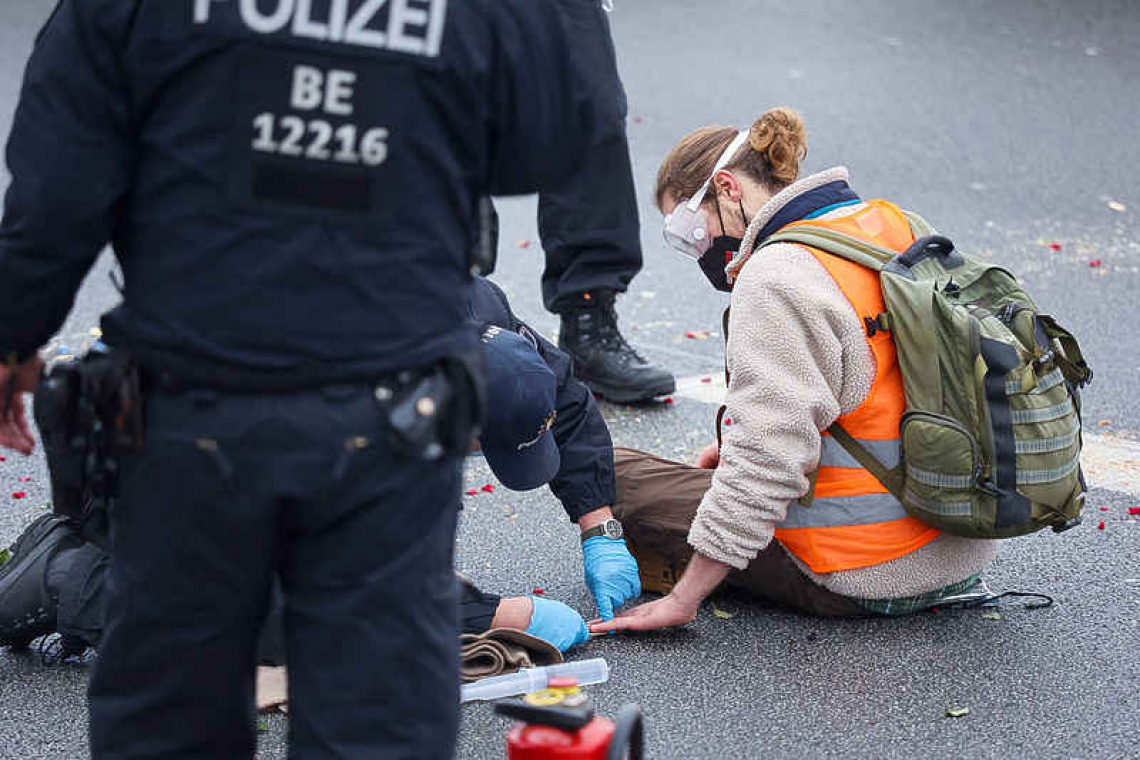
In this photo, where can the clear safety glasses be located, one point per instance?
(686, 229)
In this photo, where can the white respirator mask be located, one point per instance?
(686, 229)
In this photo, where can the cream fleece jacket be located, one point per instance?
(798, 360)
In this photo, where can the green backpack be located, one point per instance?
(991, 437)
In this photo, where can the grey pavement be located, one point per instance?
(1010, 126)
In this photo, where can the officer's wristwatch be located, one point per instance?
(611, 528)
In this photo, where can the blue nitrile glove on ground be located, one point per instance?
(555, 622)
(611, 573)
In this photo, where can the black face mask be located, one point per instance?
(720, 253)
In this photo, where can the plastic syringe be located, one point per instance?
(532, 679)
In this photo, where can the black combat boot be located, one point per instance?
(603, 360)
(27, 603)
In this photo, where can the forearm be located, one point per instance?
(701, 577)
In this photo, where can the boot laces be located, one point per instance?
(56, 649)
(606, 333)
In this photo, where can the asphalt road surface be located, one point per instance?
(1011, 126)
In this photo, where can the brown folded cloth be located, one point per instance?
(503, 650)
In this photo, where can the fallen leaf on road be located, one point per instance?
(1104, 423)
(5, 555)
(697, 334)
(1117, 206)
(991, 616)
(95, 332)
(957, 712)
(648, 294)
(706, 379)
(722, 614)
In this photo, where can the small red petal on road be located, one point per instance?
(1094, 263)
(706, 379)
(18, 495)
(471, 492)
(1101, 526)
(668, 399)
(488, 488)
(537, 590)
(1054, 246)
(1104, 509)
(690, 334)
(524, 244)
(1134, 510)
(2, 459)
(728, 420)
(26, 479)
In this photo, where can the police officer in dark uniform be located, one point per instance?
(291, 190)
(591, 235)
(590, 232)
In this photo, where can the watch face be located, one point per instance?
(612, 529)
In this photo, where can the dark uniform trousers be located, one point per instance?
(229, 489)
(589, 227)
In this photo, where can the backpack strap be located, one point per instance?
(845, 246)
(919, 227)
(848, 247)
(892, 479)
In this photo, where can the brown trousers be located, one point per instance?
(656, 502)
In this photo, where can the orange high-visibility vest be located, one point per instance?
(853, 521)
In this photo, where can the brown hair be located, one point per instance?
(777, 142)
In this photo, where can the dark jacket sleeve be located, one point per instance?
(585, 479)
(69, 154)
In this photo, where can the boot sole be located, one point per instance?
(627, 395)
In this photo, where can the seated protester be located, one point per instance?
(543, 426)
(798, 359)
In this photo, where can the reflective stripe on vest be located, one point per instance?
(853, 521)
(834, 455)
(845, 510)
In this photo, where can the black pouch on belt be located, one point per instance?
(437, 411)
(90, 413)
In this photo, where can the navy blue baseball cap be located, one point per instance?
(518, 441)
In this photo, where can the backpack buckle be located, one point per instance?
(876, 324)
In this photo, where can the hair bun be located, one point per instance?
(779, 136)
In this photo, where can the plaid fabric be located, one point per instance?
(908, 604)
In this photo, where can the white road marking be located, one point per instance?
(1109, 461)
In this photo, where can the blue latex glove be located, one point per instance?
(611, 573)
(557, 623)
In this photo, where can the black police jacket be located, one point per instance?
(585, 479)
(291, 188)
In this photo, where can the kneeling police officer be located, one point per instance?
(291, 189)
